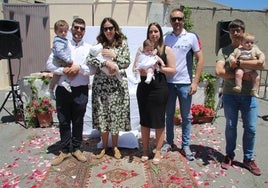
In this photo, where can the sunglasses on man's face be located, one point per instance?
(78, 27)
(108, 28)
(174, 19)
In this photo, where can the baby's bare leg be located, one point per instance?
(255, 83)
(238, 77)
(238, 80)
(150, 70)
(255, 80)
(150, 75)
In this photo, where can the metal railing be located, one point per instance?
(263, 86)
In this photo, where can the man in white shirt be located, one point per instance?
(182, 85)
(71, 107)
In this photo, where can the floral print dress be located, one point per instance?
(110, 96)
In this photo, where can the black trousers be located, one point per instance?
(71, 108)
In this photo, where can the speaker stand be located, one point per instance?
(17, 101)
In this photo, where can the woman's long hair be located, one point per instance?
(160, 45)
(118, 37)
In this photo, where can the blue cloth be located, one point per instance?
(61, 49)
(180, 91)
(248, 106)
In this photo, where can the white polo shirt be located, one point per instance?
(184, 46)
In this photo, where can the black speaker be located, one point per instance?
(223, 38)
(10, 40)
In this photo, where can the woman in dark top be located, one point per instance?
(152, 98)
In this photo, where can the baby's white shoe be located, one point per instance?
(67, 86)
(149, 78)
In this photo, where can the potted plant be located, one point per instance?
(210, 80)
(40, 109)
(202, 114)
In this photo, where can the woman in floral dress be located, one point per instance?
(110, 96)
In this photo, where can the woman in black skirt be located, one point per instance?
(152, 98)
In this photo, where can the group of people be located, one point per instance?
(165, 69)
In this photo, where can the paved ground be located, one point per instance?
(24, 160)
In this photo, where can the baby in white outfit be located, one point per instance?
(96, 52)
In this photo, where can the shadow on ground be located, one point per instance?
(206, 154)
(8, 119)
(264, 118)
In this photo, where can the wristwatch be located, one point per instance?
(238, 63)
(104, 63)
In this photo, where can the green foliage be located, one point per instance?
(205, 77)
(188, 22)
(34, 89)
(46, 80)
(177, 112)
(32, 121)
(210, 89)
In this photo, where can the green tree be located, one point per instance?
(188, 22)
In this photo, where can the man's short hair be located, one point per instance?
(79, 21)
(237, 23)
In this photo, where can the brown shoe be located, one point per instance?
(102, 153)
(79, 156)
(117, 153)
(60, 158)
(252, 167)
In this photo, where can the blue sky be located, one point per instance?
(245, 4)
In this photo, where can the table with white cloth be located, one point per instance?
(126, 139)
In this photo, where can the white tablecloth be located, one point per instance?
(134, 114)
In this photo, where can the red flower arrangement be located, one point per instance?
(199, 110)
(40, 105)
(38, 108)
(202, 114)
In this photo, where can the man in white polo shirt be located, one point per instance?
(182, 85)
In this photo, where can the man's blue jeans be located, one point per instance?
(248, 106)
(180, 91)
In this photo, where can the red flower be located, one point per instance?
(40, 105)
(199, 110)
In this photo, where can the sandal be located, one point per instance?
(102, 153)
(117, 153)
(144, 159)
(156, 161)
(157, 157)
